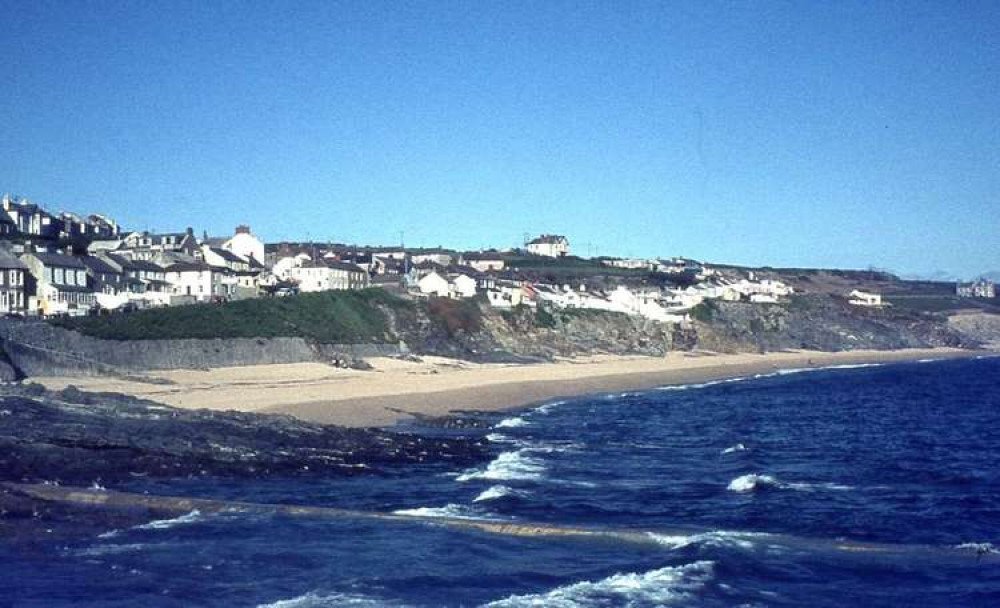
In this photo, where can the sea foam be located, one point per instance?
(516, 465)
(163, 524)
(654, 588)
(450, 510)
(756, 481)
(715, 538)
(514, 422)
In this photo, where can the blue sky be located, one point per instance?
(800, 134)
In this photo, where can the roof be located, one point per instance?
(188, 267)
(145, 265)
(8, 261)
(58, 259)
(549, 239)
(98, 265)
(483, 255)
(227, 255)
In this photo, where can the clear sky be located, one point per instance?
(801, 133)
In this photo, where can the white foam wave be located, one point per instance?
(514, 422)
(451, 510)
(751, 482)
(546, 408)
(853, 366)
(498, 491)
(757, 481)
(978, 548)
(498, 438)
(777, 372)
(739, 447)
(657, 587)
(315, 600)
(715, 538)
(684, 387)
(163, 524)
(516, 465)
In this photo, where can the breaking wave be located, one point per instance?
(756, 481)
(979, 548)
(516, 465)
(163, 524)
(739, 447)
(657, 588)
(514, 422)
(495, 492)
(716, 538)
(546, 408)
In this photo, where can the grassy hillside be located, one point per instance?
(329, 316)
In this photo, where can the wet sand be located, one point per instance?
(436, 386)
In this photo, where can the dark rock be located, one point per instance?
(81, 438)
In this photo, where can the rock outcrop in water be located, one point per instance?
(82, 438)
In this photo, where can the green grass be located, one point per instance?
(329, 317)
(942, 303)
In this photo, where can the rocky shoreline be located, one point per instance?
(71, 437)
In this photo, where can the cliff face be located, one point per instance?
(820, 323)
(482, 333)
(472, 330)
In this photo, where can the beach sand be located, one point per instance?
(436, 386)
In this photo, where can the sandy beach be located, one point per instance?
(435, 386)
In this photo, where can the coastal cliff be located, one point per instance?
(346, 328)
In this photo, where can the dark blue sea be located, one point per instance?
(863, 486)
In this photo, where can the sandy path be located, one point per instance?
(437, 386)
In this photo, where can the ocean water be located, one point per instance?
(868, 486)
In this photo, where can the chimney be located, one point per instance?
(243, 229)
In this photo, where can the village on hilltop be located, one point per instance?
(57, 264)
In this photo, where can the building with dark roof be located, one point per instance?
(58, 284)
(549, 245)
(13, 274)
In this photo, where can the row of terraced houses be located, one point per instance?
(66, 264)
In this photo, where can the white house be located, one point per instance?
(195, 280)
(863, 298)
(434, 284)
(462, 286)
(323, 275)
(284, 266)
(510, 295)
(454, 285)
(483, 261)
(549, 245)
(631, 264)
(245, 244)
